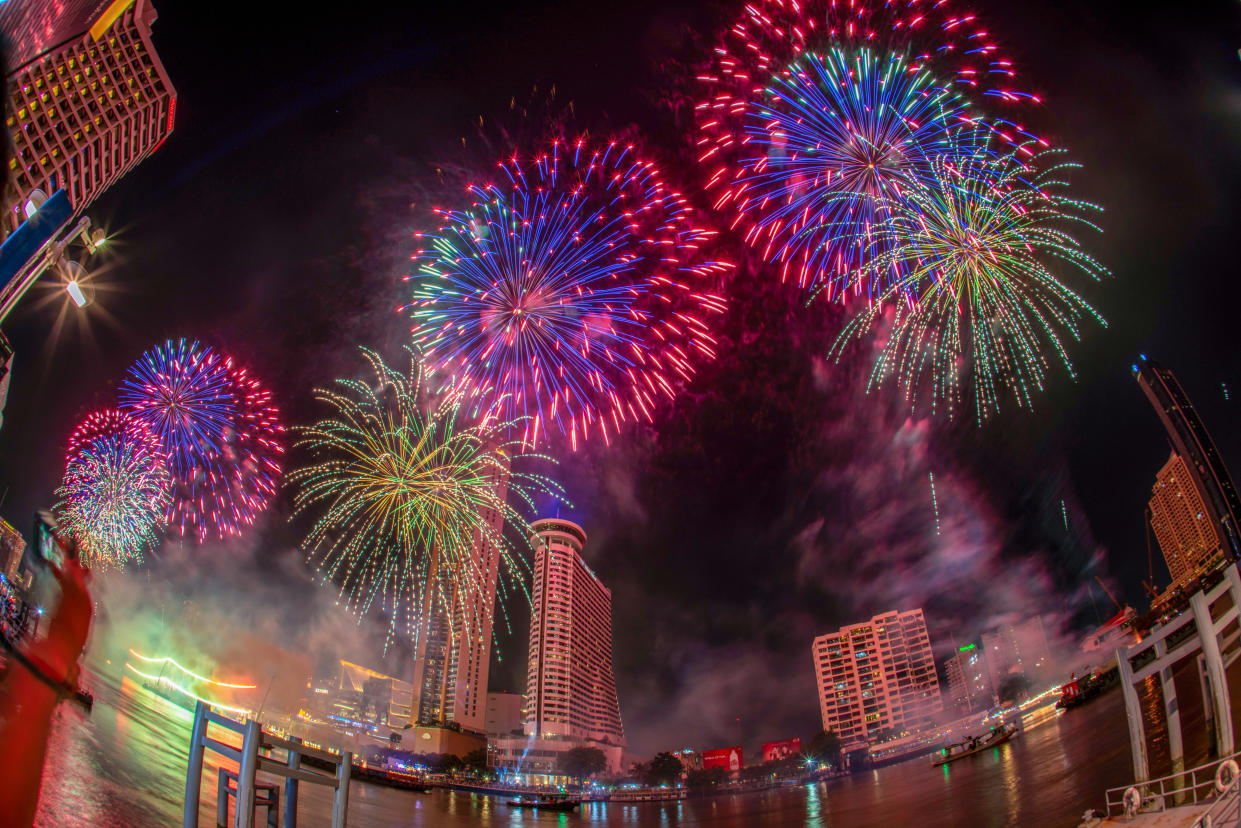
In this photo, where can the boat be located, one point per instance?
(974, 744)
(545, 802)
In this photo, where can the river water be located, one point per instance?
(124, 765)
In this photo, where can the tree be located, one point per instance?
(476, 759)
(825, 747)
(664, 769)
(704, 780)
(582, 762)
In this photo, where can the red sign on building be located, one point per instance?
(775, 751)
(727, 758)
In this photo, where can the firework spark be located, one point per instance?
(403, 497)
(572, 293)
(977, 302)
(115, 489)
(814, 111)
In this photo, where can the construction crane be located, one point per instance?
(1109, 593)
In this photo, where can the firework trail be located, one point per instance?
(219, 429)
(402, 497)
(115, 489)
(569, 296)
(977, 303)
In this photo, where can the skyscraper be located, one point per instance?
(1178, 514)
(877, 676)
(1192, 442)
(450, 674)
(88, 98)
(570, 687)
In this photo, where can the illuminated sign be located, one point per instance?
(965, 648)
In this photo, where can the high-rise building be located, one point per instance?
(877, 676)
(1178, 515)
(1016, 649)
(450, 675)
(570, 686)
(88, 98)
(504, 713)
(1192, 442)
(969, 681)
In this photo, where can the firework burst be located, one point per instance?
(219, 429)
(403, 498)
(977, 303)
(815, 112)
(572, 293)
(115, 489)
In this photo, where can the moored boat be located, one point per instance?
(545, 802)
(974, 744)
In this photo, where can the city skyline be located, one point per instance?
(723, 528)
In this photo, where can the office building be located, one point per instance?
(1193, 444)
(877, 677)
(1187, 536)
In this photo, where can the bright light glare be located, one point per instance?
(75, 293)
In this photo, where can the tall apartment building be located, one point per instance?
(1192, 443)
(450, 678)
(1187, 536)
(88, 98)
(876, 676)
(570, 686)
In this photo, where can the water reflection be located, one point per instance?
(125, 766)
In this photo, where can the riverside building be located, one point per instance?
(571, 696)
(877, 677)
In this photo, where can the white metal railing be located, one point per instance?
(1225, 812)
(256, 754)
(1190, 786)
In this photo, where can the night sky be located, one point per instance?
(774, 499)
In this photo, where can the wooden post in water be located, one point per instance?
(1133, 712)
(1215, 669)
(243, 816)
(290, 787)
(194, 768)
(340, 803)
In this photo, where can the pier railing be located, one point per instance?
(257, 753)
(1191, 786)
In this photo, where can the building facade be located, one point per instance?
(452, 664)
(570, 685)
(1016, 650)
(504, 713)
(88, 98)
(1192, 442)
(877, 677)
(969, 680)
(1187, 536)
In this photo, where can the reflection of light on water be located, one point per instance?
(814, 807)
(1009, 766)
